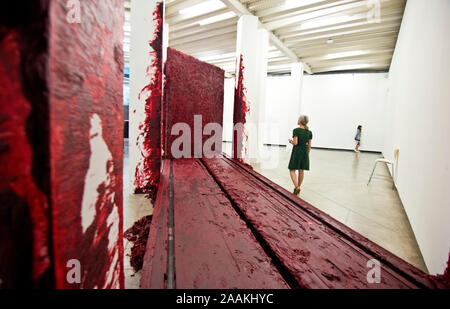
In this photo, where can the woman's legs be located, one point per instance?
(294, 178)
(357, 146)
(301, 176)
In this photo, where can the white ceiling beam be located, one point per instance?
(364, 29)
(383, 65)
(302, 17)
(339, 41)
(359, 61)
(203, 35)
(295, 9)
(222, 40)
(174, 7)
(367, 52)
(317, 50)
(238, 8)
(373, 56)
(212, 52)
(187, 26)
(361, 32)
(181, 19)
(297, 31)
(196, 29)
(343, 8)
(253, 6)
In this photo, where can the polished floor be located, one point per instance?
(336, 184)
(135, 206)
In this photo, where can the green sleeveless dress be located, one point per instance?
(300, 153)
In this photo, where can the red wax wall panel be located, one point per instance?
(86, 145)
(147, 171)
(191, 87)
(61, 144)
(25, 257)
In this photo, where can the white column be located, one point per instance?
(252, 44)
(142, 55)
(295, 108)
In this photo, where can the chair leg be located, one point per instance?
(393, 176)
(371, 175)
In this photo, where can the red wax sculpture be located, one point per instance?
(61, 148)
(147, 171)
(192, 87)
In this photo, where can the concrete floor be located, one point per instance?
(135, 206)
(336, 184)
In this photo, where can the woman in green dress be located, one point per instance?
(300, 152)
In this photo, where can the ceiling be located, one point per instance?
(327, 35)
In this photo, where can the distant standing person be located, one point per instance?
(358, 138)
(301, 140)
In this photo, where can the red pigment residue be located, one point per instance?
(445, 277)
(147, 171)
(241, 108)
(138, 234)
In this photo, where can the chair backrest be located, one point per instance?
(396, 153)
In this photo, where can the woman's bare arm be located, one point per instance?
(309, 146)
(294, 141)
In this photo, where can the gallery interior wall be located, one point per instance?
(228, 104)
(335, 103)
(418, 125)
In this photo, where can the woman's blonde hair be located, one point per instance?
(303, 120)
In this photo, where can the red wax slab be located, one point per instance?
(86, 142)
(147, 170)
(317, 250)
(241, 108)
(362, 242)
(61, 147)
(213, 247)
(154, 270)
(24, 175)
(191, 87)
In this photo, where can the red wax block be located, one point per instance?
(213, 248)
(148, 170)
(317, 250)
(61, 147)
(155, 265)
(241, 108)
(191, 87)
(86, 142)
(24, 203)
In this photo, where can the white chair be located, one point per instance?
(392, 163)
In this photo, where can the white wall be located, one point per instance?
(279, 100)
(228, 106)
(419, 125)
(337, 103)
